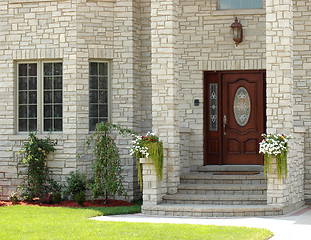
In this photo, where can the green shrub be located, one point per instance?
(80, 198)
(33, 155)
(57, 198)
(76, 183)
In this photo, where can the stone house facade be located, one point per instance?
(156, 59)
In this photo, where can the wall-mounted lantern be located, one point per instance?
(237, 29)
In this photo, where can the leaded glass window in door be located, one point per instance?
(242, 106)
(213, 107)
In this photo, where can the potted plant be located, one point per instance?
(151, 148)
(275, 146)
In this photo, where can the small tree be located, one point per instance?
(107, 179)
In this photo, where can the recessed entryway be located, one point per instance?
(234, 117)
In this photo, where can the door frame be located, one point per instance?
(216, 77)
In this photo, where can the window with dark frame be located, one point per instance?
(98, 93)
(53, 96)
(27, 97)
(239, 4)
(30, 80)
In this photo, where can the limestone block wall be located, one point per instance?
(165, 85)
(289, 191)
(205, 43)
(33, 30)
(281, 101)
(146, 89)
(302, 80)
(126, 89)
(73, 32)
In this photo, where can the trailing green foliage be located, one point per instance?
(281, 164)
(155, 150)
(151, 148)
(107, 179)
(275, 146)
(33, 155)
(76, 182)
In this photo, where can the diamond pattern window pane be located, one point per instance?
(213, 107)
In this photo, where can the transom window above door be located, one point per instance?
(239, 4)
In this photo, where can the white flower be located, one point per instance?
(274, 144)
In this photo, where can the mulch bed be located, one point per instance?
(96, 203)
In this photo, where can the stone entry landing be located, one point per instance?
(205, 194)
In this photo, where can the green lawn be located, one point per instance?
(31, 222)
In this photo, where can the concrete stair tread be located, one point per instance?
(228, 168)
(214, 197)
(197, 210)
(212, 208)
(210, 176)
(232, 187)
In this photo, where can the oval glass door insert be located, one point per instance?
(242, 106)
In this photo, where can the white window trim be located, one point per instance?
(40, 93)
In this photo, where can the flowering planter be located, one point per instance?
(275, 147)
(150, 148)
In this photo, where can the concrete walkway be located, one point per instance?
(295, 225)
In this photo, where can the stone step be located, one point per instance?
(193, 210)
(230, 168)
(237, 189)
(212, 178)
(215, 199)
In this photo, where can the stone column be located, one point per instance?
(165, 86)
(125, 83)
(280, 101)
(151, 186)
(279, 54)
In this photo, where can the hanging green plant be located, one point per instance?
(151, 148)
(275, 146)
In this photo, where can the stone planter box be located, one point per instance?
(151, 187)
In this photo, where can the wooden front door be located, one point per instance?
(234, 117)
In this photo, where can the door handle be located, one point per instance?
(224, 124)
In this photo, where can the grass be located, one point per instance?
(31, 222)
